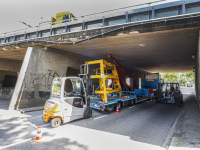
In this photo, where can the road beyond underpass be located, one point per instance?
(142, 126)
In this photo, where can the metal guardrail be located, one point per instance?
(80, 17)
(47, 29)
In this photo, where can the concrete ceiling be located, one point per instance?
(15, 54)
(161, 51)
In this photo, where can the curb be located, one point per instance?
(168, 139)
(31, 109)
(6, 114)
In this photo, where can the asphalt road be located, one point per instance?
(143, 126)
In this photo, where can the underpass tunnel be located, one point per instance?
(10, 66)
(8, 81)
(140, 53)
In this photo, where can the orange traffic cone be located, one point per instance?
(39, 135)
(117, 110)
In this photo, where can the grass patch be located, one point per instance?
(178, 143)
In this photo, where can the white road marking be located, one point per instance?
(131, 106)
(100, 117)
(15, 144)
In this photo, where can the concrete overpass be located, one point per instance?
(156, 38)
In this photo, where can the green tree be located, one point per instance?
(171, 77)
(183, 79)
(190, 77)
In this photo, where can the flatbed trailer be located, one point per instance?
(129, 98)
(141, 98)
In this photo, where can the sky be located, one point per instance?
(31, 11)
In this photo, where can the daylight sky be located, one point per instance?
(31, 11)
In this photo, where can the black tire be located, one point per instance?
(131, 102)
(87, 113)
(55, 122)
(156, 100)
(119, 105)
(164, 101)
(181, 102)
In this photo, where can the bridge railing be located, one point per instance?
(140, 12)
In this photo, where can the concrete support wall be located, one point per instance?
(197, 73)
(139, 74)
(41, 68)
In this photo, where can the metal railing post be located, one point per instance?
(103, 21)
(65, 27)
(50, 31)
(126, 16)
(153, 13)
(37, 33)
(14, 38)
(25, 35)
(183, 7)
(4, 38)
(83, 25)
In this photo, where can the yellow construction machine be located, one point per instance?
(62, 17)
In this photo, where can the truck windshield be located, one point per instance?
(56, 88)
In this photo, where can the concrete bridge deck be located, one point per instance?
(137, 13)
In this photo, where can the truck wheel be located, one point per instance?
(131, 103)
(87, 113)
(156, 99)
(119, 105)
(55, 122)
(181, 102)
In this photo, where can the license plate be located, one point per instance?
(47, 108)
(92, 104)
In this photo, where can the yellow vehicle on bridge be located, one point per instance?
(62, 17)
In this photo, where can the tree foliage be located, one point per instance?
(171, 77)
(186, 78)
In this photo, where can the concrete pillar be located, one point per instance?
(197, 72)
(20, 79)
(37, 73)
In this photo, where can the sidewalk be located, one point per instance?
(9, 113)
(5, 113)
(187, 132)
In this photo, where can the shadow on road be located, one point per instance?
(147, 122)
